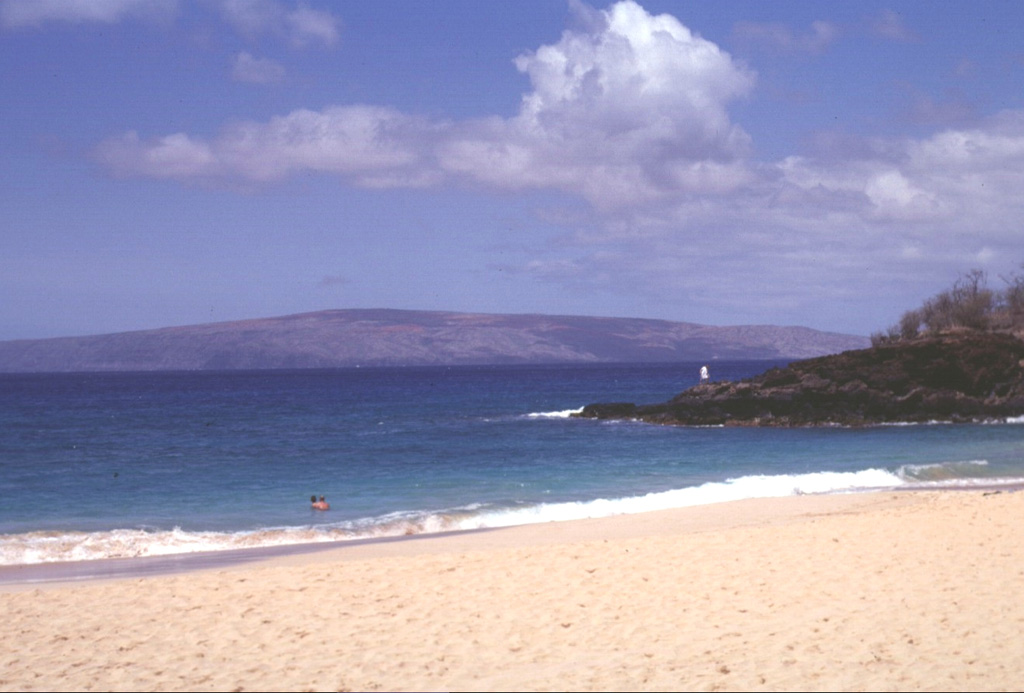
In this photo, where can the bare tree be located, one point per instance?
(969, 305)
(973, 301)
(1012, 302)
(910, 324)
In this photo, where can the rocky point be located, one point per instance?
(956, 377)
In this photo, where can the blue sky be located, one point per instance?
(830, 165)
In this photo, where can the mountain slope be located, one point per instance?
(346, 338)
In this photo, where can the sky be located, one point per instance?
(828, 165)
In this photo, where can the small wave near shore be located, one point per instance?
(60, 546)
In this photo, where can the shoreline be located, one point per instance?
(57, 572)
(31, 575)
(884, 590)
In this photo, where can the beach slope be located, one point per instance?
(874, 592)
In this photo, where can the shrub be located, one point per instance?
(969, 305)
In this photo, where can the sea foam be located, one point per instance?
(563, 414)
(44, 547)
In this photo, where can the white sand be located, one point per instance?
(875, 592)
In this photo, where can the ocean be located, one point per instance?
(117, 465)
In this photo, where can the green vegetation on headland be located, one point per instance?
(958, 358)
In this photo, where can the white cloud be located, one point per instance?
(246, 68)
(620, 112)
(173, 156)
(633, 109)
(894, 196)
(956, 176)
(16, 13)
(374, 147)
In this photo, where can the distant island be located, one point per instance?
(364, 338)
(958, 358)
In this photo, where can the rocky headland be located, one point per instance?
(955, 377)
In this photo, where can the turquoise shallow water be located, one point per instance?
(111, 465)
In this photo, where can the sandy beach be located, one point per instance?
(874, 592)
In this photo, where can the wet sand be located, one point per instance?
(881, 591)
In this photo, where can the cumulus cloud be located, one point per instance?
(624, 110)
(19, 13)
(633, 107)
(247, 68)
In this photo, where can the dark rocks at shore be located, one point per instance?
(961, 377)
